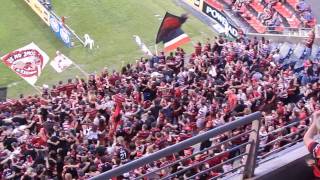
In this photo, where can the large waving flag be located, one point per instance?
(170, 32)
(27, 62)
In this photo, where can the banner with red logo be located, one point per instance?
(28, 62)
(60, 62)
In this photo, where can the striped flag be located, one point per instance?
(170, 32)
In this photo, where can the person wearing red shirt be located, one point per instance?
(197, 49)
(69, 87)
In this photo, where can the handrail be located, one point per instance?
(282, 137)
(288, 125)
(206, 160)
(220, 164)
(284, 146)
(282, 128)
(277, 150)
(178, 147)
(199, 152)
(232, 170)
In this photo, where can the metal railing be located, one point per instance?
(299, 132)
(249, 155)
(245, 158)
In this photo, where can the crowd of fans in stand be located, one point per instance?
(271, 18)
(85, 127)
(305, 14)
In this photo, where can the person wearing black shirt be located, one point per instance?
(270, 100)
(8, 141)
(149, 94)
(53, 143)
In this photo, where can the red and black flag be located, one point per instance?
(170, 32)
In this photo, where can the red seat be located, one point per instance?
(279, 29)
(255, 23)
(294, 22)
(215, 4)
(312, 23)
(286, 13)
(283, 10)
(257, 6)
(292, 3)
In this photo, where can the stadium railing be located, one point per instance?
(288, 31)
(299, 137)
(243, 161)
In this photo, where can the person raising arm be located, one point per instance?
(312, 145)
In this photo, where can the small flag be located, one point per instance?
(60, 62)
(170, 32)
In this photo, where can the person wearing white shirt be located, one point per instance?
(203, 110)
(92, 135)
(241, 95)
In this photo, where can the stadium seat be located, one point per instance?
(298, 66)
(255, 23)
(274, 46)
(283, 10)
(315, 54)
(290, 16)
(257, 6)
(279, 28)
(292, 3)
(294, 22)
(285, 49)
(299, 50)
(312, 23)
(215, 4)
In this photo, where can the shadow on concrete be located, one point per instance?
(297, 170)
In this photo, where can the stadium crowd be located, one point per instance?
(81, 128)
(270, 16)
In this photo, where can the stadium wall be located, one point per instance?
(208, 9)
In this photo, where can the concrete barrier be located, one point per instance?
(289, 164)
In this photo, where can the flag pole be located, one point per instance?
(80, 69)
(156, 49)
(37, 89)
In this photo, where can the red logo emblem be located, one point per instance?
(26, 63)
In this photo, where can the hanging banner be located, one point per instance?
(220, 18)
(61, 32)
(27, 62)
(40, 10)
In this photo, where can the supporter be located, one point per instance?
(85, 127)
(302, 6)
(267, 14)
(307, 18)
(312, 145)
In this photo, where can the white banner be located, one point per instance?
(60, 63)
(28, 62)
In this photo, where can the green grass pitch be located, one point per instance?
(111, 23)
